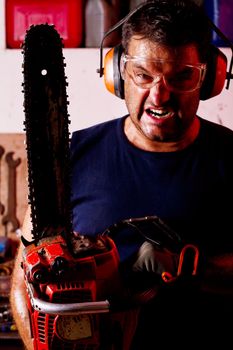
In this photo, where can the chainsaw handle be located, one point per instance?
(168, 277)
(93, 307)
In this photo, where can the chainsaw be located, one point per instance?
(68, 276)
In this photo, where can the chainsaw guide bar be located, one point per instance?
(47, 134)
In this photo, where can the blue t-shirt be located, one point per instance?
(191, 190)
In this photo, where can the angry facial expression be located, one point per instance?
(159, 113)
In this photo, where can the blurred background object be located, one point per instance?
(220, 12)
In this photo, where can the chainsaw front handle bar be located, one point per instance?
(93, 307)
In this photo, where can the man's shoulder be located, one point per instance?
(96, 133)
(216, 130)
(217, 139)
(98, 128)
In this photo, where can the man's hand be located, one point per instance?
(152, 259)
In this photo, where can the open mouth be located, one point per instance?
(157, 113)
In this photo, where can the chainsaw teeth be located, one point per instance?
(47, 135)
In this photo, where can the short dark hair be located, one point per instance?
(170, 22)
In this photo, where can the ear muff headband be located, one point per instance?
(214, 80)
(100, 70)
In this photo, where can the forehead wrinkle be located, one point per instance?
(148, 66)
(142, 47)
(155, 66)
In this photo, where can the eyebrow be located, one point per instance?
(175, 70)
(139, 64)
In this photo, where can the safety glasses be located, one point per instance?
(176, 76)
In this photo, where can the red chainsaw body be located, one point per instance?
(84, 277)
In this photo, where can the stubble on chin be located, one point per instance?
(172, 132)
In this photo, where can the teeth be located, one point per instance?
(158, 113)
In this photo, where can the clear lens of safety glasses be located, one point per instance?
(176, 76)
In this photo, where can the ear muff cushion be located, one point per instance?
(112, 75)
(215, 74)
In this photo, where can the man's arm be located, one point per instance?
(18, 291)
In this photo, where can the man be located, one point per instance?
(160, 160)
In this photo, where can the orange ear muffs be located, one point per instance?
(214, 79)
(212, 85)
(215, 74)
(112, 72)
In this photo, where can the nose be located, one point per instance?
(159, 93)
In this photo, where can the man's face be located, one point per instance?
(161, 111)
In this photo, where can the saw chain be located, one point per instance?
(47, 134)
